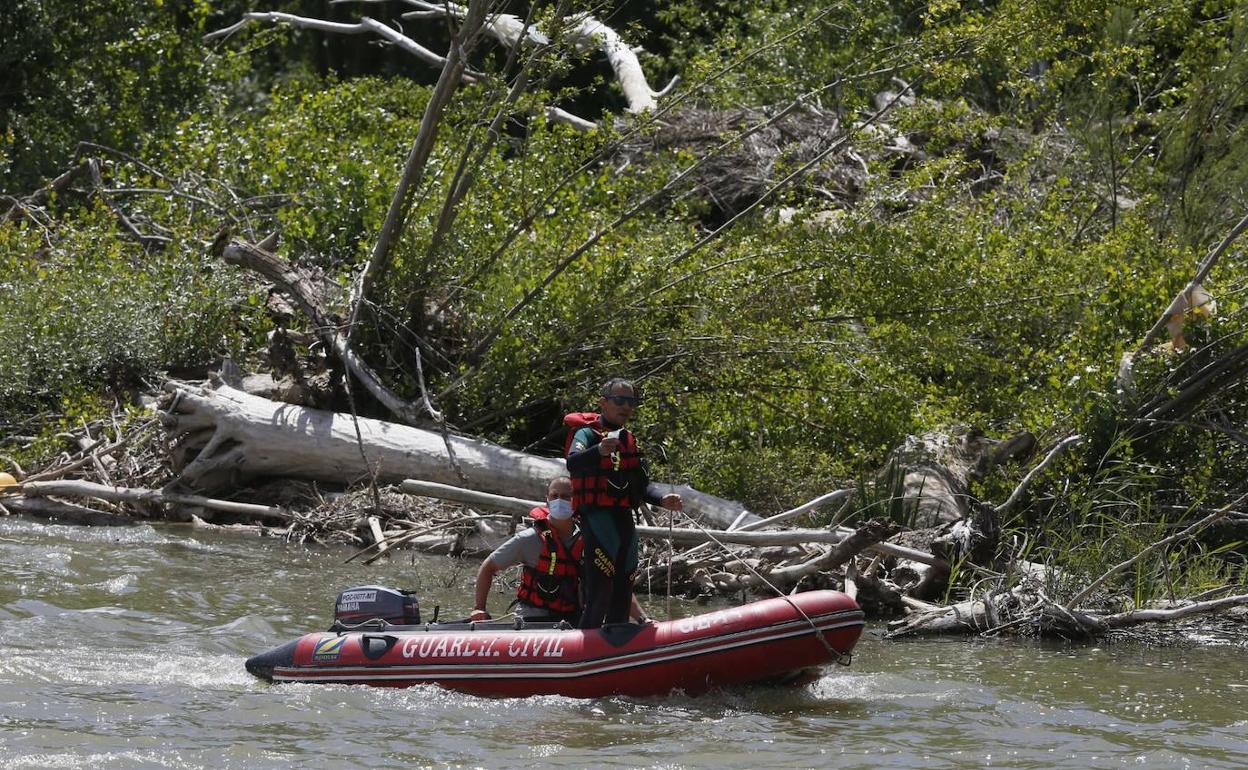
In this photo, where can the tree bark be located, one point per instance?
(225, 436)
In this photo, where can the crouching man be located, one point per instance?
(550, 554)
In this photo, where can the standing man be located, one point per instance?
(608, 482)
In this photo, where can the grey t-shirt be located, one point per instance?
(525, 547)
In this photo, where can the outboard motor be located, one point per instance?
(356, 606)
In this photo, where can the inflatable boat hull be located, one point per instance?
(772, 640)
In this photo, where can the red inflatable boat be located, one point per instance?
(775, 640)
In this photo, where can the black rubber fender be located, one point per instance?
(262, 665)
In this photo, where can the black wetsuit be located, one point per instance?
(610, 556)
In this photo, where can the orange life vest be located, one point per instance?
(612, 484)
(554, 584)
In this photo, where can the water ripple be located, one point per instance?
(124, 649)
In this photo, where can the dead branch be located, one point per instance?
(866, 536)
(364, 26)
(418, 156)
(1134, 617)
(416, 534)
(472, 158)
(300, 288)
(95, 455)
(964, 617)
(90, 490)
(839, 496)
(851, 580)
(689, 536)
(58, 510)
(1197, 387)
(379, 537)
(143, 239)
(468, 496)
(60, 184)
(585, 33)
(560, 115)
(1023, 485)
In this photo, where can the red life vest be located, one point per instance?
(574, 422)
(613, 483)
(555, 582)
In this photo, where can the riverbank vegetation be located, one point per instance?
(977, 263)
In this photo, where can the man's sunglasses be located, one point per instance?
(623, 400)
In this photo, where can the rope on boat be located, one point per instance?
(841, 658)
(671, 554)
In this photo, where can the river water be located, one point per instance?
(124, 648)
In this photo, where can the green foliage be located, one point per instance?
(326, 195)
(93, 310)
(120, 80)
(1074, 161)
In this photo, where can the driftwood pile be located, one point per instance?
(223, 457)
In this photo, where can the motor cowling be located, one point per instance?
(364, 603)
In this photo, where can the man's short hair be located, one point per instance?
(553, 479)
(617, 382)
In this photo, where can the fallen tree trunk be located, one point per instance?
(683, 536)
(69, 513)
(149, 496)
(843, 551)
(224, 436)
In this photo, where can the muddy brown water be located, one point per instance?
(124, 648)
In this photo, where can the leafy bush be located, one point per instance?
(94, 310)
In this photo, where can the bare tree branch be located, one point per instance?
(1135, 617)
(1023, 485)
(364, 26)
(95, 491)
(472, 158)
(417, 158)
(586, 32)
(58, 185)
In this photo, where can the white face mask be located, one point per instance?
(559, 508)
